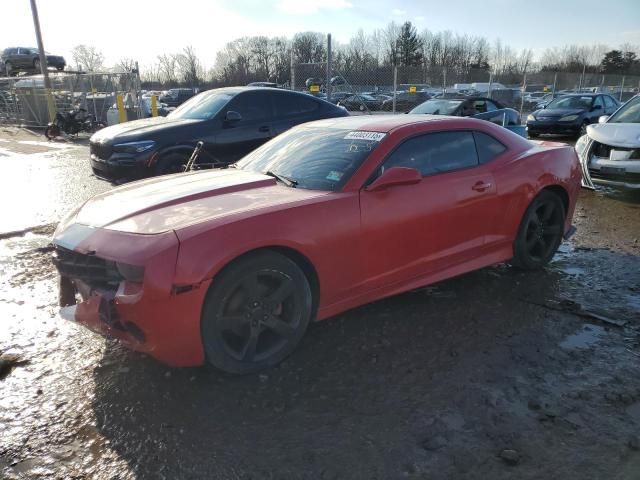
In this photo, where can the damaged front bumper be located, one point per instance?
(148, 315)
(617, 173)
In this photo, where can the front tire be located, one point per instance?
(171, 163)
(256, 313)
(540, 232)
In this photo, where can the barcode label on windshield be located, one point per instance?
(373, 136)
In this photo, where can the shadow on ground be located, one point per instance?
(436, 383)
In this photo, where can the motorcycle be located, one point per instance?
(72, 123)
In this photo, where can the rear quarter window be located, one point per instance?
(488, 147)
(293, 105)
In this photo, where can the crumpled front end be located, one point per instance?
(121, 285)
(609, 165)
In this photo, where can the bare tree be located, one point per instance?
(309, 47)
(168, 68)
(189, 66)
(125, 65)
(391, 33)
(87, 58)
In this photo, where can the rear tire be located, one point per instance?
(533, 135)
(52, 132)
(540, 232)
(97, 126)
(256, 313)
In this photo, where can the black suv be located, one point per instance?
(177, 96)
(22, 59)
(230, 121)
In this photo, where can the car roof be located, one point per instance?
(586, 94)
(383, 123)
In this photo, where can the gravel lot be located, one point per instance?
(495, 374)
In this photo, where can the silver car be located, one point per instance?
(610, 151)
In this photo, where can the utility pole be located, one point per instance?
(43, 60)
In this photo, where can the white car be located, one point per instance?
(610, 151)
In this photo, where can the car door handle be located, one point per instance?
(481, 186)
(264, 128)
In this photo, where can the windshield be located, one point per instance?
(628, 113)
(202, 107)
(571, 102)
(438, 107)
(313, 158)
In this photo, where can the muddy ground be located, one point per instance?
(495, 374)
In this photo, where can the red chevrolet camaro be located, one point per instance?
(230, 266)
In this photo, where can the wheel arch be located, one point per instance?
(297, 257)
(181, 149)
(561, 192)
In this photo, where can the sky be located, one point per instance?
(143, 29)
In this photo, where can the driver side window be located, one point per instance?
(435, 153)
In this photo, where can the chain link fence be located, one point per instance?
(379, 89)
(24, 100)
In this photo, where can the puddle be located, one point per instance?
(572, 270)
(584, 338)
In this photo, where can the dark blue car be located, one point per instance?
(570, 114)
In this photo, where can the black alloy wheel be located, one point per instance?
(256, 313)
(540, 232)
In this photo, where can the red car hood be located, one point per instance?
(173, 201)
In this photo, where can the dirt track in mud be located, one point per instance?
(495, 374)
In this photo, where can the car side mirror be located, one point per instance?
(596, 107)
(603, 119)
(232, 117)
(395, 176)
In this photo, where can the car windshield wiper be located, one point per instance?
(289, 182)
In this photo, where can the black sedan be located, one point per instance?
(405, 101)
(230, 121)
(360, 102)
(177, 96)
(477, 107)
(570, 114)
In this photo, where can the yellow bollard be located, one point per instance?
(122, 114)
(154, 106)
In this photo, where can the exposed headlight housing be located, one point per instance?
(569, 118)
(132, 273)
(531, 118)
(134, 147)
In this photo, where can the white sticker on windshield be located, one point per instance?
(374, 136)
